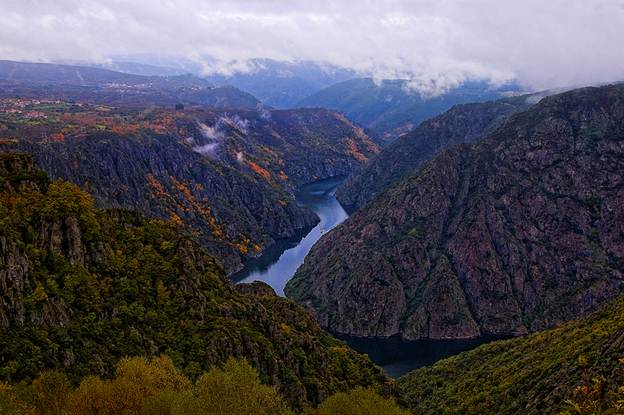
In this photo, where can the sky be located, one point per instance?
(433, 43)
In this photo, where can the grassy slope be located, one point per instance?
(529, 375)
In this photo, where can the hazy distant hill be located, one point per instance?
(284, 84)
(58, 74)
(389, 108)
(97, 85)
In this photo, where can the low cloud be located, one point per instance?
(435, 44)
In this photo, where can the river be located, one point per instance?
(278, 264)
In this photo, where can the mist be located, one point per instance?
(434, 44)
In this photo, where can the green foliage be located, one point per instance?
(358, 402)
(598, 397)
(541, 373)
(100, 285)
(155, 387)
(234, 390)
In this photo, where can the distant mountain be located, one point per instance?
(283, 84)
(463, 123)
(390, 108)
(229, 176)
(97, 85)
(575, 369)
(57, 74)
(143, 69)
(517, 232)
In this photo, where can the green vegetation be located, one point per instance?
(358, 402)
(577, 368)
(155, 387)
(84, 287)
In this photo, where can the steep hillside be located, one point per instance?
(581, 362)
(96, 85)
(461, 124)
(230, 176)
(82, 288)
(516, 233)
(389, 108)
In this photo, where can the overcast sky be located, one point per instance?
(542, 43)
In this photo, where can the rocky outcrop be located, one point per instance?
(461, 124)
(228, 176)
(518, 232)
(256, 289)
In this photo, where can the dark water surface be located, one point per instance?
(398, 357)
(278, 264)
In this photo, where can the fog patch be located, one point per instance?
(209, 150)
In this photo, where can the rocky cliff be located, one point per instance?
(461, 124)
(229, 176)
(518, 232)
(81, 288)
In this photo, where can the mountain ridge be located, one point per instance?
(515, 233)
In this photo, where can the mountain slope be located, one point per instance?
(516, 233)
(58, 74)
(229, 176)
(529, 375)
(83, 288)
(388, 108)
(97, 85)
(461, 124)
(283, 84)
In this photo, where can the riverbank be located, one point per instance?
(278, 264)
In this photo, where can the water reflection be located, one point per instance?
(278, 264)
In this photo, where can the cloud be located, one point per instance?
(433, 43)
(207, 149)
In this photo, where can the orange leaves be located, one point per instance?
(175, 218)
(259, 170)
(155, 184)
(124, 128)
(58, 137)
(354, 151)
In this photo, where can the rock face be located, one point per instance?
(229, 176)
(81, 288)
(518, 232)
(461, 124)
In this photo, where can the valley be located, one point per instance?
(171, 244)
(278, 265)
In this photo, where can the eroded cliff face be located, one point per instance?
(81, 288)
(229, 176)
(518, 232)
(461, 124)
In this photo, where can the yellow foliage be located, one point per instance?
(358, 402)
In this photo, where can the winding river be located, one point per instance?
(278, 264)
